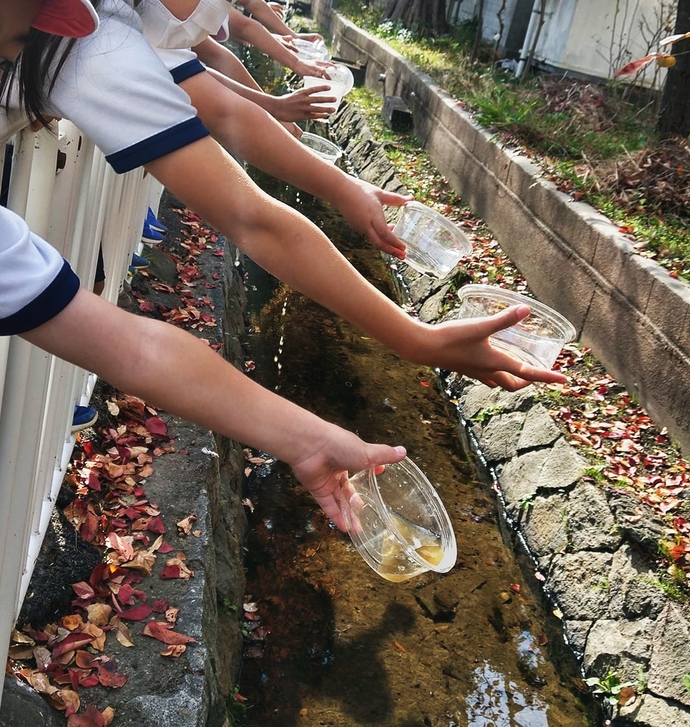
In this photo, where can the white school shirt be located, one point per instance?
(181, 62)
(117, 91)
(35, 282)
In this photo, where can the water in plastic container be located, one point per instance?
(397, 522)
(325, 148)
(537, 340)
(434, 244)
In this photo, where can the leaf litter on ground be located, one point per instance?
(110, 509)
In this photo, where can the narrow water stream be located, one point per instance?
(328, 641)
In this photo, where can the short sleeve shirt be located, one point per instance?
(35, 282)
(118, 92)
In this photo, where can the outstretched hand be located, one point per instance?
(316, 69)
(324, 473)
(302, 104)
(464, 346)
(362, 207)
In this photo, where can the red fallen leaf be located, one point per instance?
(138, 613)
(94, 482)
(71, 643)
(127, 595)
(108, 676)
(677, 552)
(89, 528)
(155, 525)
(89, 681)
(638, 65)
(156, 425)
(170, 572)
(83, 590)
(165, 548)
(90, 717)
(515, 588)
(146, 306)
(160, 606)
(162, 630)
(74, 675)
(424, 383)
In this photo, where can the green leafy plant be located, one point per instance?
(485, 414)
(610, 687)
(686, 681)
(527, 502)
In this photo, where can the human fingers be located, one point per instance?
(385, 240)
(393, 199)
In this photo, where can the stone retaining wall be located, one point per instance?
(592, 549)
(627, 308)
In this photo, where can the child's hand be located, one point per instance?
(325, 472)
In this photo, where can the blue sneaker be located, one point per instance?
(83, 418)
(138, 262)
(150, 236)
(154, 223)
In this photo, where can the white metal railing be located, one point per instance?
(63, 187)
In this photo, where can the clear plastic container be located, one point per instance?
(397, 522)
(334, 89)
(325, 148)
(434, 244)
(341, 74)
(311, 50)
(537, 340)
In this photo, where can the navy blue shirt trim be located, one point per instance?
(187, 70)
(53, 300)
(157, 146)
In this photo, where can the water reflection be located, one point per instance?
(495, 703)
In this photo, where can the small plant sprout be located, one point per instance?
(686, 682)
(612, 688)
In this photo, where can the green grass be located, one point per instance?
(570, 147)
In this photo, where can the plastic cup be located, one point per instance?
(341, 74)
(537, 340)
(311, 50)
(335, 89)
(434, 244)
(397, 522)
(325, 148)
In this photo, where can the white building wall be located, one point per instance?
(598, 37)
(589, 37)
(468, 11)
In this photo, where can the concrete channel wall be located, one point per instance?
(627, 308)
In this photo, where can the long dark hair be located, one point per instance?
(36, 71)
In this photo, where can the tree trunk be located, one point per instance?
(674, 114)
(419, 15)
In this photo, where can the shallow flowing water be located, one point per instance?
(329, 642)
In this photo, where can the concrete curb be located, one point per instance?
(626, 307)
